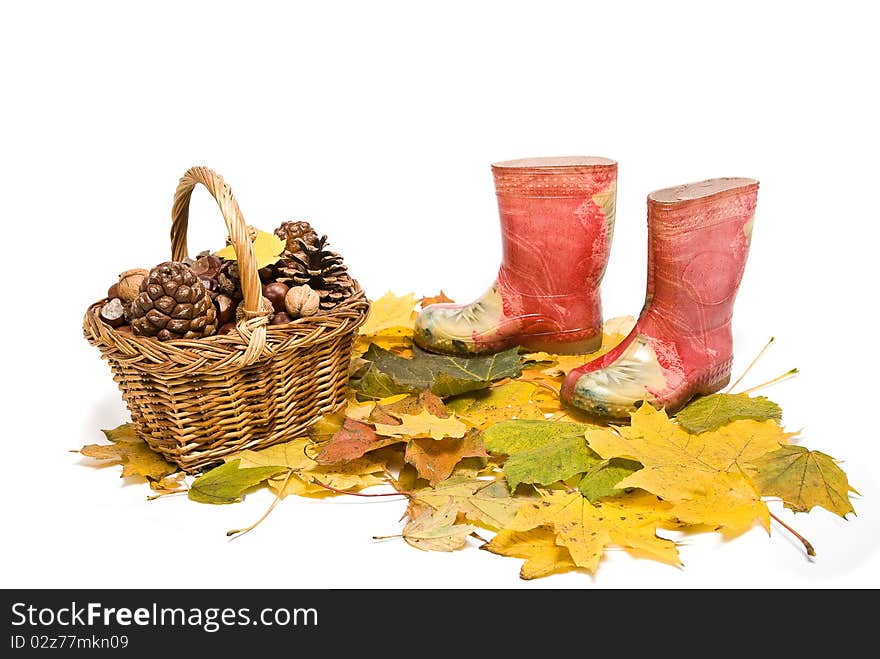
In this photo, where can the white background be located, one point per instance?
(378, 122)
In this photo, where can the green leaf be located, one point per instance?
(541, 452)
(267, 249)
(227, 483)
(601, 479)
(803, 479)
(386, 373)
(713, 411)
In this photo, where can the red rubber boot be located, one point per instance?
(681, 345)
(557, 220)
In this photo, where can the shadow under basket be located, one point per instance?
(196, 401)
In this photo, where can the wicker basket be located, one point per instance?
(195, 401)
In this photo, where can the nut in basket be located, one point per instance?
(208, 356)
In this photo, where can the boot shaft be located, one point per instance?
(698, 243)
(557, 221)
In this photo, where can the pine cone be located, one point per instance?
(292, 232)
(173, 304)
(321, 269)
(229, 281)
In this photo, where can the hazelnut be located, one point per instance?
(112, 312)
(124, 329)
(275, 292)
(301, 301)
(225, 308)
(280, 318)
(265, 305)
(130, 284)
(226, 328)
(113, 291)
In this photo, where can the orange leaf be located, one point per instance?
(441, 298)
(435, 459)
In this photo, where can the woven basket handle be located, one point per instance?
(253, 326)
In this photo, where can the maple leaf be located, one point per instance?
(511, 400)
(601, 479)
(129, 450)
(435, 299)
(267, 249)
(389, 410)
(228, 483)
(294, 457)
(557, 366)
(435, 459)
(586, 529)
(540, 452)
(803, 479)
(327, 426)
(385, 373)
(423, 424)
(168, 484)
(713, 411)
(538, 546)
(437, 530)
(729, 502)
(484, 502)
(347, 477)
(352, 441)
(676, 463)
(390, 315)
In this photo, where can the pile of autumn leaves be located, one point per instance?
(482, 444)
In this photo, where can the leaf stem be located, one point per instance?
(769, 382)
(360, 494)
(749, 367)
(546, 386)
(240, 532)
(807, 545)
(387, 537)
(153, 497)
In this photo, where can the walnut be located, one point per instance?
(302, 301)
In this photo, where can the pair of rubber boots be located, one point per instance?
(557, 222)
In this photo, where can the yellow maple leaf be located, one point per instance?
(678, 464)
(267, 249)
(629, 521)
(296, 456)
(423, 424)
(129, 450)
(729, 502)
(538, 546)
(511, 400)
(390, 315)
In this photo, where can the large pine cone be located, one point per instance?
(321, 269)
(173, 304)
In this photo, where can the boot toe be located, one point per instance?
(438, 328)
(619, 389)
(603, 396)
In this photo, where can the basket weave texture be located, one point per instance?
(196, 401)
